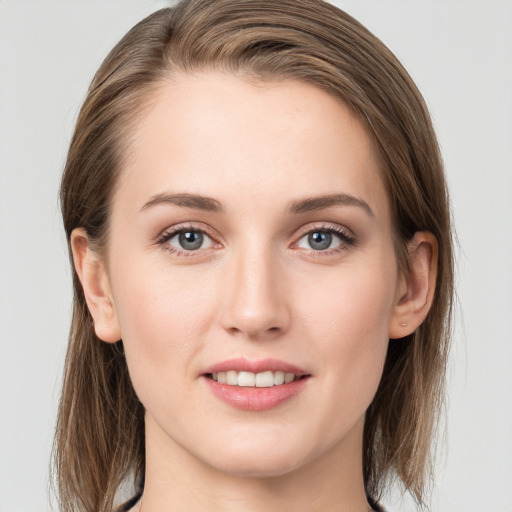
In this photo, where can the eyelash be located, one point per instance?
(176, 230)
(347, 240)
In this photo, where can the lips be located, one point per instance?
(255, 385)
(262, 365)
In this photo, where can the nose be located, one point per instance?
(255, 302)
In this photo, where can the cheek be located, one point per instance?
(353, 302)
(164, 317)
(349, 316)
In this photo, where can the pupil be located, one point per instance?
(190, 240)
(320, 240)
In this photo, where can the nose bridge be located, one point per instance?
(255, 305)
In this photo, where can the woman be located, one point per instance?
(258, 219)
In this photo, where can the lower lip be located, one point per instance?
(255, 399)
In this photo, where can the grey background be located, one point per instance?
(459, 53)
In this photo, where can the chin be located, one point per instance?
(257, 461)
(250, 468)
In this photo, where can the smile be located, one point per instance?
(266, 379)
(255, 385)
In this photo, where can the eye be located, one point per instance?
(185, 240)
(325, 239)
(190, 240)
(318, 240)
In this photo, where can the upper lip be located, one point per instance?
(262, 365)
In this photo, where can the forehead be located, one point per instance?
(222, 136)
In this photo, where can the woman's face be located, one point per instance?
(251, 238)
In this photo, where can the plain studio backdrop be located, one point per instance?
(460, 55)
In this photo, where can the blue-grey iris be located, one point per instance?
(320, 240)
(190, 240)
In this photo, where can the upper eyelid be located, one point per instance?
(210, 232)
(171, 231)
(324, 226)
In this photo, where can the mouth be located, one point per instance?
(266, 379)
(255, 385)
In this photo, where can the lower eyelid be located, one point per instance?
(180, 252)
(337, 252)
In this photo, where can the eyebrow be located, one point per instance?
(187, 201)
(310, 204)
(307, 204)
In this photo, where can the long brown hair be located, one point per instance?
(99, 438)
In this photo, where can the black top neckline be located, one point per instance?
(127, 505)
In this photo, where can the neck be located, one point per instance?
(178, 481)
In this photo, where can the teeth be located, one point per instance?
(231, 378)
(264, 380)
(288, 377)
(249, 379)
(246, 379)
(279, 378)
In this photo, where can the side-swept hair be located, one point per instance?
(99, 438)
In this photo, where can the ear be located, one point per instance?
(93, 276)
(415, 291)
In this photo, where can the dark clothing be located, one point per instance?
(125, 507)
(128, 504)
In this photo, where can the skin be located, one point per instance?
(255, 289)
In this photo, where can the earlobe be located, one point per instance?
(416, 289)
(93, 277)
